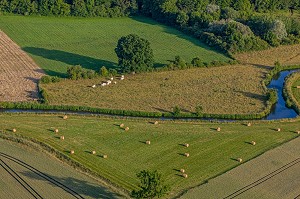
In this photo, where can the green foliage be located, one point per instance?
(77, 72)
(152, 185)
(134, 53)
(197, 62)
(103, 71)
(176, 111)
(199, 110)
(49, 79)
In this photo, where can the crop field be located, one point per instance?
(56, 43)
(18, 72)
(211, 152)
(228, 89)
(274, 174)
(42, 175)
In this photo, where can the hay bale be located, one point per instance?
(253, 143)
(65, 117)
(184, 175)
(182, 171)
(105, 156)
(186, 145)
(249, 124)
(278, 129)
(186, 154)
(219, 129)
(122, 125)
(298, 86)
(62, 137)
(148, 142)
(93, 152)
(56, 130)
(115, 82)
(127, 128)
(14, 130)
(240, 160)
(298, 132)
(72, 152)
(156, 122)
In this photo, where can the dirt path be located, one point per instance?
(275, 174)
(18, 72)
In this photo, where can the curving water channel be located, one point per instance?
(279, 110)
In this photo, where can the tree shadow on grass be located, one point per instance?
(70, 59)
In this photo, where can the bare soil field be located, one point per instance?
(286, 55)
(274, 174)
(27, 173)
(18, 72)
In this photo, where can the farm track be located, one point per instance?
(25, 185)
(263, 179)
(18, 72)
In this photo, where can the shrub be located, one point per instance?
(103, 71)
(176, 111)
(196, 62)
(77, 72)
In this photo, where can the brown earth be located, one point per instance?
(18, 72)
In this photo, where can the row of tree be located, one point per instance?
(154, 8)
(83, 8)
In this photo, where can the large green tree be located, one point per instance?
(151, 186)
(134, 53)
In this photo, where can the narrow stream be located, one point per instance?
(279, 110)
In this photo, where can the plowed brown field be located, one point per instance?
(18, 72)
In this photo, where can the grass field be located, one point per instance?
(56, 43)
(295, 90)
(276, 178)
(44, 173)
(228, 89)
(211, 152)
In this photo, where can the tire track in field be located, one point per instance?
(20, 180)
(265, 178)
(42, 175)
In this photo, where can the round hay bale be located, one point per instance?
(14, 130)
(156, 122)
(127, 128)
(105, 156)
(186, 145)
(115, 82)
(298, 132)
(240, 160)
(56, 130)
(278, 129)
(182, 171)
(65, 117)
(122, 125)
(249, 124)
(219, 129)
(148, 142)
(72, 152)
(93, 152)
(62, 137)
(184, 175)
(186, 154)
(253, 143)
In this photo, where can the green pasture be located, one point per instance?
(57, 42)
(211, 152)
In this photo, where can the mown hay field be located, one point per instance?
(228, 89)
(56, 43)
(46, 175)
(211, 152)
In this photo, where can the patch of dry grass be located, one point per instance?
(227, 89)
(286, 55)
